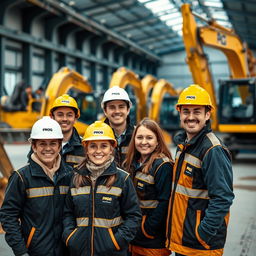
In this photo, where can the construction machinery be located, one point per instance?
(141, 106)
(126, 78)
(17, 123)
(148, 82)
(163, 100)
(6, 169)
(235, 115)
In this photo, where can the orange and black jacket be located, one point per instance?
(202, 194)
(32, 211)
(153, 190)
(100, 220)
(122, 147)
(73, 151)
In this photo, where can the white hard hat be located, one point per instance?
(115, 93)
(46, 128)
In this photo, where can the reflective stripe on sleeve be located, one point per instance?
(148, 203)
(82, 222)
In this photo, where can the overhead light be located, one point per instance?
(72, 3)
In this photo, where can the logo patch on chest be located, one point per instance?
(107, 199)
(140, 185)
(188, 171)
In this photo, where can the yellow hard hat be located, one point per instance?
(65, 101)
(99, 131)
(194, 95)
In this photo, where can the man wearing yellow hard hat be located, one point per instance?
(65, 111)
(202, 190)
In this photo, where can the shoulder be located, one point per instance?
(214, 144)
(122, 173)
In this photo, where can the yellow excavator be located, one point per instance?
(20, 122)
(124, 77)
(235, 115)
(64, 81)
(162, 109)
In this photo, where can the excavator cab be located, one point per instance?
(87, 104)
(237, 98)
(169, 116)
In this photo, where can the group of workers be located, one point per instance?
(118, 190)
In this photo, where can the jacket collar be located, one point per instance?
(112, 169)
(37, 170)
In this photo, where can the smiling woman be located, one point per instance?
(102, 213)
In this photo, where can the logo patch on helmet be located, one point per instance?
(190, 97)
(47, 129)
(115, 93)
(98, 132)
(65, 101)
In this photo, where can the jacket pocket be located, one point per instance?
(70, 235)
(112, 236)
(30, 236)
(198, 220)
(143, 229)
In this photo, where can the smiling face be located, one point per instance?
(145, 142)
(117, 111)
(66, 118)
(193, 119)
(99, 151)
(47, 150)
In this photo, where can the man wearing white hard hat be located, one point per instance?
(116, 105)
(32, 210)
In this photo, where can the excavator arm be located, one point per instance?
(123, 77)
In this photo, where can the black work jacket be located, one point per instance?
(153, 190)
(100, 220)
(73, 151)
(121, 149)
(32, 211)
(202, 193)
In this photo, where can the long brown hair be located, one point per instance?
(82, 180)
(161, 149)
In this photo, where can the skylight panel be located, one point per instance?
(163, 6)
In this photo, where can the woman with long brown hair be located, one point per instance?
(150, 163)
(102, 213)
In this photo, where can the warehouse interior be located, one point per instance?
(153, 49)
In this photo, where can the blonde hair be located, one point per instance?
(160, 151)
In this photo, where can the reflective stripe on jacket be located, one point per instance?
(101, 220)
(201, 196)
(122, 147)
(73, 151)
(33, 208)
(153, 190)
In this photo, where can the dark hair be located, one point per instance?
(74, 109)
(160, 151)
(105, 103)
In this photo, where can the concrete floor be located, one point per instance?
(241, 240)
